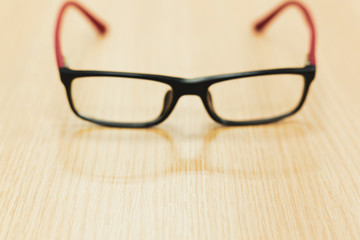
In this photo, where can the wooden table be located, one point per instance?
(188, 178)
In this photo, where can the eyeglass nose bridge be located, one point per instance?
(191, 87)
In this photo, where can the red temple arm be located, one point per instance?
(264, 22)
(96, 22)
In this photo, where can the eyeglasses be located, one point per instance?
(133, 100)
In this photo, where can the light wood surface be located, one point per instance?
(188, 178)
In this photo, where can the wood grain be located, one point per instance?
(188, 178)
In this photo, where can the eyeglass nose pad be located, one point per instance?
(209, 101)
(167, 101)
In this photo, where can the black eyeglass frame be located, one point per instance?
(187, 86)
(192, 86)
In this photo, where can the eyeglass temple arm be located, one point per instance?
(100, 26)
(260, 25)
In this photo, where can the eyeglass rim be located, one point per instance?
(188, 86)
